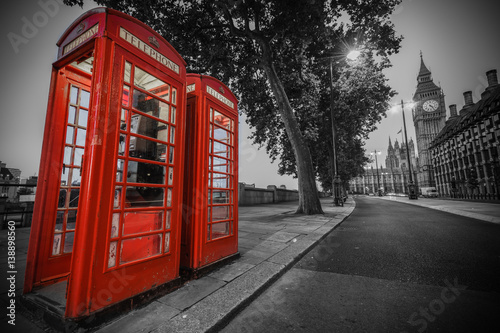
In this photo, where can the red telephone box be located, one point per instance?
(210, 222)
(107, 217)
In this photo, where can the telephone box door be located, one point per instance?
(210, 224)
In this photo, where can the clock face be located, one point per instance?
(430, 105)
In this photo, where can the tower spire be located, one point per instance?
(423, 69)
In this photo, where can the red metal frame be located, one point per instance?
(93, 283)
(211, 183)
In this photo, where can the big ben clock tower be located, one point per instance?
(429, 116)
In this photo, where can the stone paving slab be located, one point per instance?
(142, 320)
(231, 271)
(192, 292)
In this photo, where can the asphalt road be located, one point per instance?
(390, 267)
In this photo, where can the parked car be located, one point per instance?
(429, 192)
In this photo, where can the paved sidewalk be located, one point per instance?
(489, 212)
(271, 240)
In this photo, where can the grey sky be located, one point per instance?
(459, 41)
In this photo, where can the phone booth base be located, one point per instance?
(106, 225)
(210, 217)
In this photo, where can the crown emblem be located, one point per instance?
(154, 41)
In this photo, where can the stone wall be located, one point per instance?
(250, 195)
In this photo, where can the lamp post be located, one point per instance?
(375, 153)
(336, 188)
(412, 191)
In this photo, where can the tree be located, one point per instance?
(263, 50)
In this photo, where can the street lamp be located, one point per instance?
(412, 191)
(352, 55)
(375, 153)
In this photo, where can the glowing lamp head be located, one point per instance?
(353, 55)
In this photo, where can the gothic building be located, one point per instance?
(429, 116)
(393, 177)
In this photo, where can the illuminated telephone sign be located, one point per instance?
(210, 224)
(107, 219)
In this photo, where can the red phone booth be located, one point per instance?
(107, 216)
(210, 222)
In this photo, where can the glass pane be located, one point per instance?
(144, 196)
(146, 126)
(64, 177)
(208, 232)
(62, 199)
(76, 177)
(220, 213)
(73, 98)
(221, 149)
(119, 170)
(140, 222)
(67, 156)
(174, 97)
(173, 115)
(221, 134)
(71, 222)
(80, 137)
(70, 133)
(126, 72)
(59, 221)
(167, 242)
(140, 248)
(146, 149)
(151, 83)
(73, 198)
(56, 244)
(171, 155)
(118, 197)
(167, 220)
(145, 103)
(163, 133)
(123, 120)
(170, 175)
(172, 134)
(112, 254)
(85, 99)
(68, 242)
(125, 95)
(78, 156)
(138, 172)
(220, 180)
(169, 197)
(115, 225)
(121, 144)
(71, 115)
(164, 110)
(220, 230)
(82, 118)
(221, 165)
(222, 120)
(220, 197)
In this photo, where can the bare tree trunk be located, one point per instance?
(308, 193)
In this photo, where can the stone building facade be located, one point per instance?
(465, 154)
(393, 178)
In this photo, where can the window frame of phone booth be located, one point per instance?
(126, 225)
(210, 225)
